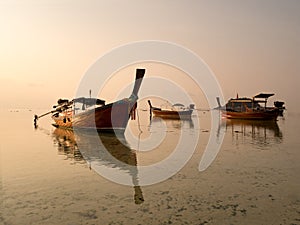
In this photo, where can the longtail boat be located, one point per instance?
(178, 111)
(93, 113)
(250, 108)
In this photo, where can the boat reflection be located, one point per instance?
(259, 133)
(101, 149)
(66, 145)
(172, 123)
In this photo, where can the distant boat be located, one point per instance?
(178, 111)
(87, 113)
(250, 108)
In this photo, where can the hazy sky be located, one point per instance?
(47, 46)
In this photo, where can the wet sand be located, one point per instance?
(253, 180)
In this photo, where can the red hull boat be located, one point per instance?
(250, 109)
(262, 115)
(177, 112)
(95, 114)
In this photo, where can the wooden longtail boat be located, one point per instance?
(178, 111)
(94, 113)
(250, 108)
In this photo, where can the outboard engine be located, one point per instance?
(62, 101)
(280, 106)
(192, 106)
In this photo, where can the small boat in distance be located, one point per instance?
(250, 108)
(92, 113)
(178, 111)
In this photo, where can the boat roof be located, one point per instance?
(89, 101)
(240, 100)
(178, 104)
(263, 95)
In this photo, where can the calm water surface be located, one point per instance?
(48, 178)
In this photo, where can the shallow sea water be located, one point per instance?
(48, 178)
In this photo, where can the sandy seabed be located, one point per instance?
(234, 194)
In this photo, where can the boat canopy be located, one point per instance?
(263, 95)
(241, 100)
(178, 104)
(89, 101)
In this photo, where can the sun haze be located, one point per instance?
(47, 46)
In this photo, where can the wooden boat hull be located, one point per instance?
(262, 115)
(111, 117)
(169, 114)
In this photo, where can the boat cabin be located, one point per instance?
(81, 104)
(77, 105)
(248, 104)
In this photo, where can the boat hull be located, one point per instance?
(108, 118)
(263, 115)
(168, 114)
